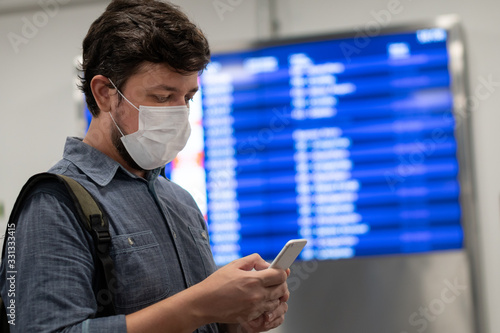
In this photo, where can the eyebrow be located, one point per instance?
(169, 88)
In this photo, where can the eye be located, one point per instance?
(162, 99)
(188, 99)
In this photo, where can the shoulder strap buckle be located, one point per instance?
(100, 233)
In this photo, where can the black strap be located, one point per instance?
(97, 224)
(91, 217)
(4, 321)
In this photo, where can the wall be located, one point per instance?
(38, 109)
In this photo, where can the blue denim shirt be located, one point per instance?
(159, 247)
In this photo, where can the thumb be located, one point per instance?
(253, 261)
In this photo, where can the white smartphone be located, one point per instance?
(288, 254)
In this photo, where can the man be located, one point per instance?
(141, 60)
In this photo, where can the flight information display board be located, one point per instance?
(350, 145)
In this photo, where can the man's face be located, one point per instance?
(153, 85)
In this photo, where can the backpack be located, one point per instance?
(91, 218)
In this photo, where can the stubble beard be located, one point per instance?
(120, 147)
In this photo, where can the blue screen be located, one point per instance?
(347, 143)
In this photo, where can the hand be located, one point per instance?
(237, 294)
(266, 321)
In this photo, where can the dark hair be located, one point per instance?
(132, 32)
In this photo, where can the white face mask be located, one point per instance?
(162, 134)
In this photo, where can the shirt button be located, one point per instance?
(204, 235)
(175, 235)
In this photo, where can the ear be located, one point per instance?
(101, 92)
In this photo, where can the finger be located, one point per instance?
(278, 312)
(256, 325)
(285, 297)
(277, 317)
(270, 306)
(275, 323)
(272, 277)
(277, 292)
(267, 320)
(250, 262)
(261, 265)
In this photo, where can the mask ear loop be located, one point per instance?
(110, 112)
(125, 98)
(116, 124)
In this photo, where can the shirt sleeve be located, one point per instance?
(54, 283)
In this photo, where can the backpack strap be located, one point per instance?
(91, 217)
(4, 321)
(95, 221)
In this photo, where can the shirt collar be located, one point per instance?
(95, 164)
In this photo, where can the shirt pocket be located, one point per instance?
(202, 241)
(141, 271)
